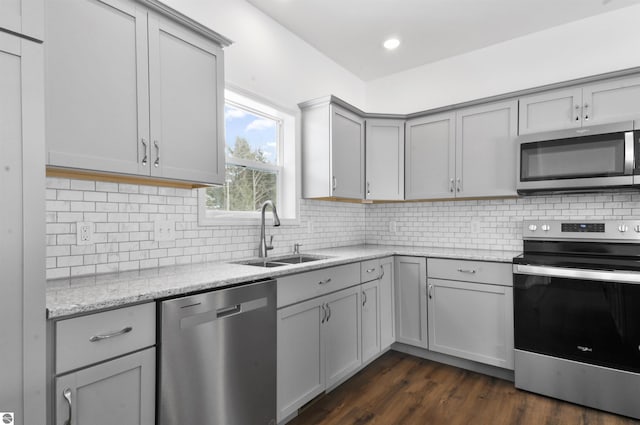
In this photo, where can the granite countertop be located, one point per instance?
(67, 297)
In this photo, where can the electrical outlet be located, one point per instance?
(164, 230)
(84, 234)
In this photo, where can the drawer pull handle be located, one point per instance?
(371, 270)
(67, 395)
(324, 282)
(472, 271)
(96, 338)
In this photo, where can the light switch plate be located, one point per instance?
(164, 230)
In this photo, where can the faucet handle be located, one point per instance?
(296, 248)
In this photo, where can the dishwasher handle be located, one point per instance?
(223, 313)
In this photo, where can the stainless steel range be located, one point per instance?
(577, 313)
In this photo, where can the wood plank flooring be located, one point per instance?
(401, 389)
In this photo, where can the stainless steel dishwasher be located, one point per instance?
(218, 357)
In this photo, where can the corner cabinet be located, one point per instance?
(470, 306)
(131, 91)
(332, 151)
(462, 154)
(384, 159)
(604, 102)
(411, 300)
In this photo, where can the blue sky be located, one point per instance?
(260, 132)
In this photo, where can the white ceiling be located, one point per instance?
(351, 32)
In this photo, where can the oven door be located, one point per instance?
(588, 316)
(586, 158)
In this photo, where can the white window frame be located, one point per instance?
(288, 173)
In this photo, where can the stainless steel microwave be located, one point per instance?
(577, 160)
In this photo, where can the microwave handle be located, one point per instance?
(629, 156)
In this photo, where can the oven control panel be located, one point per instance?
(611, 230)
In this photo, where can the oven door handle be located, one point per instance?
(601, 275)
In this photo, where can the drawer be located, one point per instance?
(85, 340)
(370, 270)
(470, 271)
(304, 286)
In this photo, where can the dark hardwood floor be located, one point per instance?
(401, 389)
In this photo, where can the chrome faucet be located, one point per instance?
(263, 247)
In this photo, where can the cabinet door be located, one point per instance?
(300, 355)
(411, 300)
(23, 17)
(22, 309)
(611, 101)
(387, 302)
(486, 150)
(384, 159)
(342, 335)
(97, 114)
(120, 391)
(430, 157)
(347, 154)
(553, 110)
(186, 73)
(471, 320)
(370, 295)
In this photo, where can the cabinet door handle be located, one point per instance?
(144, 146)
(472, 271)
(381, 272)
(67, 395)
(451, 185)
(324, 313)
(156, 163)
(123, 331)
(368, 188)
(335, 183)
(586, 113)
(324, 282)
(364, 298)
(459, 185)
(577, 112)
(430, 291)
(328, 312)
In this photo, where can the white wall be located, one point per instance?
(268, 60)
(595, 45)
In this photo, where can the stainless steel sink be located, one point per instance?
(282, 261)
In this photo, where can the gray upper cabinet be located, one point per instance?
(384, 159)
(121, 83)
(468, 153)
(187, 101)
(23, 17)
(486, 150)
(332, 152)
(430, 157)
(598, 103)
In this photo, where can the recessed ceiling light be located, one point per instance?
(391, 43)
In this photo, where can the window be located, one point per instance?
(260, 164)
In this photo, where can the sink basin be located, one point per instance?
(282, 261)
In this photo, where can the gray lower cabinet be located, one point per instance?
(387, 303)
(332, 151)
(318, 346)
(462, 154)
(370, 296)
(105, 368)
(132, 92)
(411, 300)
(471, 318)
(120, 391)
(603, 102)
